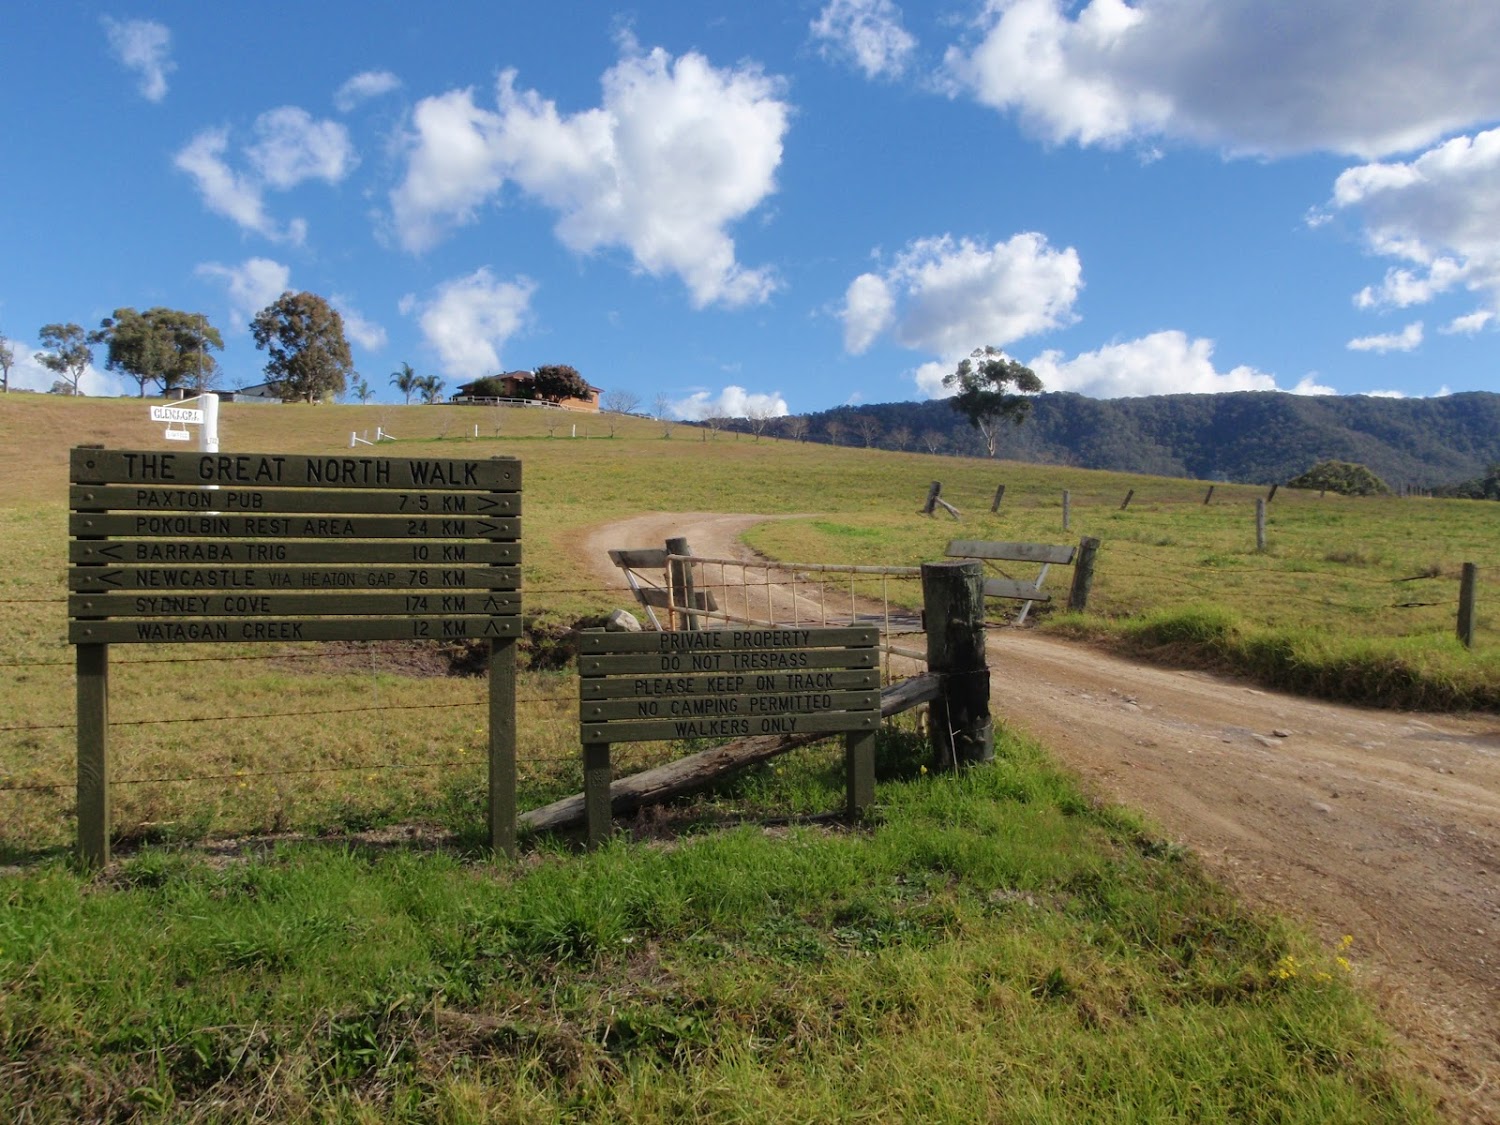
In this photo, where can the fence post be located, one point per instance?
(680, 585)
(1083, 574)
(1126, 502)
(1466, 606)
(932, 497)
(1272, 495)
(999, 496)
(1067, 508)
(1260, 525)
(502, 700)
(1210, 494)
(953, 605)
(93, 754)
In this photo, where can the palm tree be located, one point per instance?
(431, 387)
(406, 381)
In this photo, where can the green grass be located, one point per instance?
(997, 948)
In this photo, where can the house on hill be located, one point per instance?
(520, 386)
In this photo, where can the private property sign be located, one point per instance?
(727, 683)
(177, 546)
(176, 414)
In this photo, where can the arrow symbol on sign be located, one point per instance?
(112, 578)
(487, 528)
(492, 604)
(112, 550)
(485, 503)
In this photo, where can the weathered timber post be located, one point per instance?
(1209, 495)
(680, 583)
(503, 745)
(1466, 604)
(999, 496)
(953, 604)
(1260, 525)
(93, 754)
(1126, 502)
(1083, 574)
(1067, 509)
(1272, 495)
(932, 497)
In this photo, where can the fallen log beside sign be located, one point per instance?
(175, 547)
(727, 683)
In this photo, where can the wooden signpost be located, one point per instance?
(727, 683)
(210, 547)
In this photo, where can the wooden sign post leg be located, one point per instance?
(503, 745)
(596, 807)
(859, 772)
(93, 754)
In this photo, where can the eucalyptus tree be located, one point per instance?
(70, 353)
(7, 360)
(160, 345)
(983, 382)
(309, 354)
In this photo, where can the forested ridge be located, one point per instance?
(1250, 436)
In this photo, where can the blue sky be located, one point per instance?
(780, 206)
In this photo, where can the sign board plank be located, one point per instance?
(719, 640)
(255, 501)
(718, 706)
(121, 552)
(167, 579)
(1011, 552)
(197, 525)
(733, 726)
(737, 660)
(667, 687)
(1010, 588)
(210, 604)
(226, 631)
(259, 470)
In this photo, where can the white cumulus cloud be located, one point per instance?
(251, 285)
(947, 296)
(866, 32)
(1365, 77)
(677, 151)
(1469, 324)
(1438, 213)
(359, 328)
(290, 147)
(468, 320)
(731, 402)
(145, 47)
(1161, 363)
(362, 87)
(1408, 339)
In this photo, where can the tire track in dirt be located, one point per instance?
(1380, 824)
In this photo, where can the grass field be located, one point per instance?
(995, 947)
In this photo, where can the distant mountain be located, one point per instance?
(1257, 437)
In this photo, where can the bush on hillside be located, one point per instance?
(1343, 477)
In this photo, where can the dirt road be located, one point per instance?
(1380, 824)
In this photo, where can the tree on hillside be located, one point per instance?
(795, 426)
(835, 430)
(899, 437)
(7, 360)
(362, 390)
(619, 401)
(1343, 477)
(985, 397)
(309, 355)
(934, 440)
(557, 381)
(160, 345)
(70, 355)
(405, 381)
(430, 387)
(661, 410)
(868, 428)
(759, 419)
